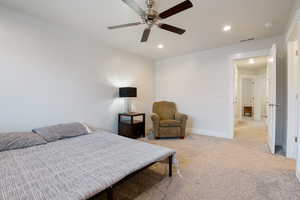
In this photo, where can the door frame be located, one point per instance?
(292, 128)
(232, 58)
(293, 104)
(293, 35)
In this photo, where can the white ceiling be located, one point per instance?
(203, 22)
(259, 63)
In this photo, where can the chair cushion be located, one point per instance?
(169, 123)
(167, 132)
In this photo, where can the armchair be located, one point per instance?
(167, 122)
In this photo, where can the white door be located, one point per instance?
(271, 98)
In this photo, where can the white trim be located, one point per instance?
(298, 175)
(209, 133)
(250, 54)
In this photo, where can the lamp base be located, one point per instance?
(128, 106)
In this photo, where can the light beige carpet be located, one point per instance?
(252, 131)
(216, 169)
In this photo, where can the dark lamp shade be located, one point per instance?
(127, 92)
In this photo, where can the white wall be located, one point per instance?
(50, 75)
(201, 84)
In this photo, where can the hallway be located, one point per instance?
(250, 130)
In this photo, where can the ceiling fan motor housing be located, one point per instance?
(150, 3)
(152, 15)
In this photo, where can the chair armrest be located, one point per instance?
(155, 118)
(181, 117)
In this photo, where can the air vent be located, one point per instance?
(247, 40)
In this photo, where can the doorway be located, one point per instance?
(251, 99)
(250, 108)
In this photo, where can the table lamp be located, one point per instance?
(128, 93)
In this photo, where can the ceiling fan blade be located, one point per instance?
(125, 25)
(133, 5)
(176, 9)
(173, 29)
(146, 35)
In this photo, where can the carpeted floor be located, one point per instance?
(216, 169)
(251, 131)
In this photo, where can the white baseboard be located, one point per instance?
(291, 156)
(298, 175)
(210, 133)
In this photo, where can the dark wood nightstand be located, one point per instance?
(130, 126)
(248, 111)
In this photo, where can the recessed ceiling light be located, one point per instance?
(160, 46)
(271, 59)
(251, 61)
(226, 28)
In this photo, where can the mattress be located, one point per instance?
(73, 169)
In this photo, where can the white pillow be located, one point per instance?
(61, 131)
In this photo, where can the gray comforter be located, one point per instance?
(75, 169)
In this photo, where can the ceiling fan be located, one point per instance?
(151, 17)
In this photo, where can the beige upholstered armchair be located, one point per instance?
(167, 122)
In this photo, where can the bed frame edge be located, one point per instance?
(110, 190)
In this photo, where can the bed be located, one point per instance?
(75, 169)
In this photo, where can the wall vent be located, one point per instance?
(247, 40)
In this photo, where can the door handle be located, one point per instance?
(274, 105)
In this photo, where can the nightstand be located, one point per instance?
(131, 125)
